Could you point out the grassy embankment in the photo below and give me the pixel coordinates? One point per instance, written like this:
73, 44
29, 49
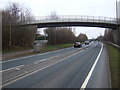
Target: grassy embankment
43, 49
55, 47
114, 56
16, 49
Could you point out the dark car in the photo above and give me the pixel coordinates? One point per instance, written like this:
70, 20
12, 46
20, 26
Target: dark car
77, 44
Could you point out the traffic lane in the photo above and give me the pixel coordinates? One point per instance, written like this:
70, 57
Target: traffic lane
69, 73
28, 60
23, 61
17, 72
101, 74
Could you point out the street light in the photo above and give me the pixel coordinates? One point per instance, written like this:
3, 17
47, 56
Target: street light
117, 10
10, 34
117, 17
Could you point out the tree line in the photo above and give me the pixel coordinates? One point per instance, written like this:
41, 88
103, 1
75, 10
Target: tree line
24, 36
62, 35
58, 35
13, 16
110, 36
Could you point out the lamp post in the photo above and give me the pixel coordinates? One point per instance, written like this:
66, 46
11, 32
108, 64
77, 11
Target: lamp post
117, 10
10, 35
117, 17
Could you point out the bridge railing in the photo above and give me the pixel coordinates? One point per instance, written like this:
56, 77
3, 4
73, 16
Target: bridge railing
71, 18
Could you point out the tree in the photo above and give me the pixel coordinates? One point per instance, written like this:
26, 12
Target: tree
82, 37
108, 36
60, 35
53, 16
12, 36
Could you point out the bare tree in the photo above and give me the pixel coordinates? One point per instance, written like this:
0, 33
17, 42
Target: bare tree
108, 36
53, 16
82, 37
60, 35
16, 36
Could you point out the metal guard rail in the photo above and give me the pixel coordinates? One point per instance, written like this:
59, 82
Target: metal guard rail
115, 45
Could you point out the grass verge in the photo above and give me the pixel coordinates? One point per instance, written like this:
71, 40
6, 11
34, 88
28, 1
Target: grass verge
54, 47
46, 48
16, 49
114, 55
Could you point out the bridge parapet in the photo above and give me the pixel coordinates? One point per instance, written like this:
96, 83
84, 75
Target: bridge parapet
71, 18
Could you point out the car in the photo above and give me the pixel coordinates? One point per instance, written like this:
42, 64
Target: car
77, 44
86, 42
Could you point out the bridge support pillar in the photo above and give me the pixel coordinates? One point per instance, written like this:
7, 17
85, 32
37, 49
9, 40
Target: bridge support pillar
116, 35
34, 30
0, 33
31, 30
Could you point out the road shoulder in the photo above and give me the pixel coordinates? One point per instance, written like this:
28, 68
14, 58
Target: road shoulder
101, 74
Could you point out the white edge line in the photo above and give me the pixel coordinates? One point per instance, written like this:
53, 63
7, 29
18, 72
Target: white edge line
91, 71
33, 55
41, 69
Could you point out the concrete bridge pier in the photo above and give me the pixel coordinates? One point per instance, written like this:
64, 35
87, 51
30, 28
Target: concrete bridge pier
31, 30
34, 30
116, 35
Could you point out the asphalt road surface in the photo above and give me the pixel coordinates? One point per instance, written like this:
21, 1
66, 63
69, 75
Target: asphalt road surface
85, 67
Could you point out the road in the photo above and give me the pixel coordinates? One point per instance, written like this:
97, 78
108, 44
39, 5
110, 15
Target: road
85, 67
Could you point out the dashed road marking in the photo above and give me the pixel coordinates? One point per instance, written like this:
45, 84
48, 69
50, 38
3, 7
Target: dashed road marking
40, 69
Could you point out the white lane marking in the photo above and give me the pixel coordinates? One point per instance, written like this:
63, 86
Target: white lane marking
40, 69
16, 76
11, 68
91, 71
33, 55
17, 69
36, 62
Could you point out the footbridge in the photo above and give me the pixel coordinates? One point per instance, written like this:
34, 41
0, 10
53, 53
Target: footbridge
63, 20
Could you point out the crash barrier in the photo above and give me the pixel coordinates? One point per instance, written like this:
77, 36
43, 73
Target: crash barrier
114, 45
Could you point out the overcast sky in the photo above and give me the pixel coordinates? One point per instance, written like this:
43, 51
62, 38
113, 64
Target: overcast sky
105, 8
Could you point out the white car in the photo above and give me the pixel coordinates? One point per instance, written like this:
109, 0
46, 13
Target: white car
86, 42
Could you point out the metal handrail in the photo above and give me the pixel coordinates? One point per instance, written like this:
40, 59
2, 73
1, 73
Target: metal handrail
76, 18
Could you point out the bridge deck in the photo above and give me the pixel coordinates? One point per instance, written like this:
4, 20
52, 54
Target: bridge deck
58, 21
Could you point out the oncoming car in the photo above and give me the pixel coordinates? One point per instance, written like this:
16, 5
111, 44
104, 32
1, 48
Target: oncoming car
86, 42
77, 44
